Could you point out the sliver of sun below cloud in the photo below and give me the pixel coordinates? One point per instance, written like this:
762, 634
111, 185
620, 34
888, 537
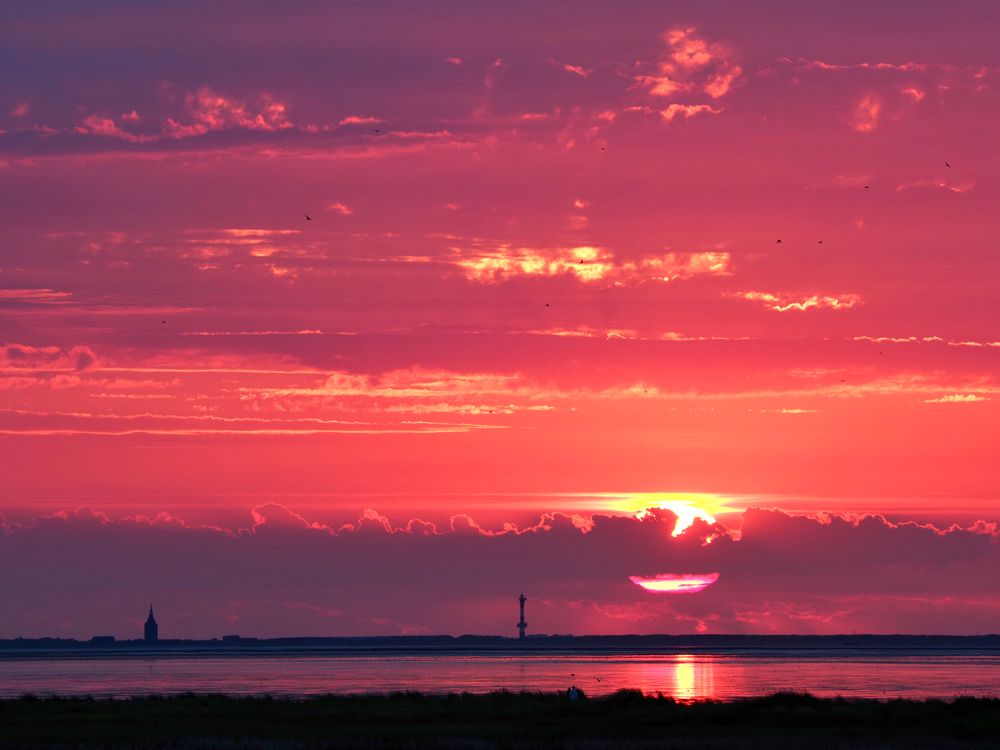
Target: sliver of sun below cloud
671, 583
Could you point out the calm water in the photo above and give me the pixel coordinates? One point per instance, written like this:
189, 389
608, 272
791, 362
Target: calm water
695, 676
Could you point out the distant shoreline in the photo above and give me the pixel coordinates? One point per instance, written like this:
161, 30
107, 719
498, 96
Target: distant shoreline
531, 643
557, 644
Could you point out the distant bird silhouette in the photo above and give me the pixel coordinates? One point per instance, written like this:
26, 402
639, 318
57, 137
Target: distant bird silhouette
947, 165
308, 217
163, 322
867, 186
547, 304
598, 679
819, 242
777, 242
843, 380
375, 129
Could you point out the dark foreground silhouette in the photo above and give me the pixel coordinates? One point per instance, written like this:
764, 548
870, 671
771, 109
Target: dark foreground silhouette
626, 719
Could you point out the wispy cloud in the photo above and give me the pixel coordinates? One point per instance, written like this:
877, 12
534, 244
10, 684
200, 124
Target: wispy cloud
800, 303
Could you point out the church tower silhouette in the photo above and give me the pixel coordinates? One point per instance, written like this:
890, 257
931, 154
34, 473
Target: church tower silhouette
152, 630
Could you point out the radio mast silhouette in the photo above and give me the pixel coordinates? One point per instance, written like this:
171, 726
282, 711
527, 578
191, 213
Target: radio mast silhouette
522, 625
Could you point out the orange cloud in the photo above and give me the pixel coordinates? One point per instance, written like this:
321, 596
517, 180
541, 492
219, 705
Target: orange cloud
590, 264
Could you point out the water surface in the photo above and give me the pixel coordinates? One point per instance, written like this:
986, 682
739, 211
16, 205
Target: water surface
684, 676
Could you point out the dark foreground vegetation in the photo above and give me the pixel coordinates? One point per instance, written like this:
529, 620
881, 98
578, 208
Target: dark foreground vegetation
626, 719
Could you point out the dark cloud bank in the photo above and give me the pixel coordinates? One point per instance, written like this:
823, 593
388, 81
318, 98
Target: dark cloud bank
80, 572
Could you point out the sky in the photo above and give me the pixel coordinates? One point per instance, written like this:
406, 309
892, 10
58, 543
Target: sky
362, 318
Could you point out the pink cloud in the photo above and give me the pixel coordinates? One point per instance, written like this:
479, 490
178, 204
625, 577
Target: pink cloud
108, 128
865, 116
209, 110
340, 208
692, 64
494, 72
687, 110
359, 120
46, 358
954, 186
36, 296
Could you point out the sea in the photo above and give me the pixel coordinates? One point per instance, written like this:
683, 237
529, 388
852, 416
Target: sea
685, 669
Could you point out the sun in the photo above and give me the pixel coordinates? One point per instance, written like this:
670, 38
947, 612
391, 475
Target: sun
688, 507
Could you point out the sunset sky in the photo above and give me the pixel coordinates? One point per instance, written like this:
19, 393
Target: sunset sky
734, 262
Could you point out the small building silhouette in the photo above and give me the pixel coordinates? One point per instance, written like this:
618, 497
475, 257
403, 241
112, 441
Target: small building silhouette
152, 630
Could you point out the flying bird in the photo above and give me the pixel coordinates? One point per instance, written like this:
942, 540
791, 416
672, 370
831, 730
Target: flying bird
947, 165
777, 242
819, 242
547, 304
308, 217
867, 186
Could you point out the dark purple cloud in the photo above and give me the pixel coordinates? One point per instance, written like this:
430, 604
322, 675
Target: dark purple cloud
80, 572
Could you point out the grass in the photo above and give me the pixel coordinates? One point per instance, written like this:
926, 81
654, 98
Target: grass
626, 719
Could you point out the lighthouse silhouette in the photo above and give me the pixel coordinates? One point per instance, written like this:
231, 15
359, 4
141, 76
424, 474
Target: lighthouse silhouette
522, 625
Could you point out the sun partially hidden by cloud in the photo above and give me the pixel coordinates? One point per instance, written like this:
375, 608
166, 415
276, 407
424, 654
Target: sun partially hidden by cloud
687, 507
672, 583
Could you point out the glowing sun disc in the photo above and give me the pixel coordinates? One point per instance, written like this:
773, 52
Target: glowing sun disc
671, 583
